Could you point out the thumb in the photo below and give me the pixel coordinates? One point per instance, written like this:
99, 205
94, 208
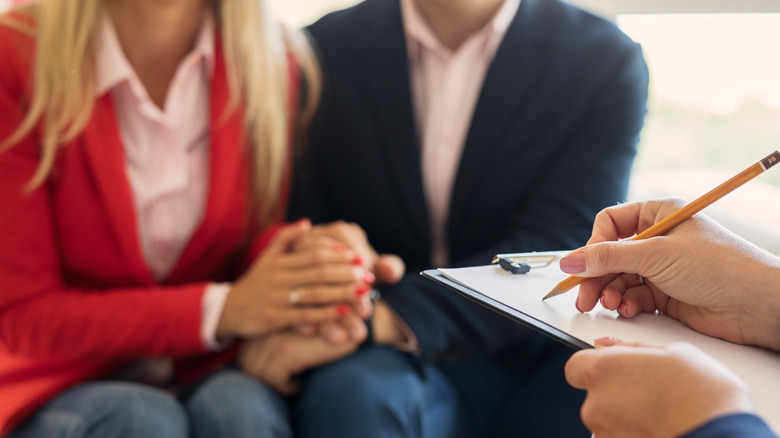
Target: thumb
287, 235
604, 258
578, 370
389, 268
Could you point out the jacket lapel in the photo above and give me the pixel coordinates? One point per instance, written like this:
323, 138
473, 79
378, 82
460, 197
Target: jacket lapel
105, 154
518, 64
384, 61
228, 172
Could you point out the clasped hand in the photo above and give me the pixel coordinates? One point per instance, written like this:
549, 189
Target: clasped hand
304, 301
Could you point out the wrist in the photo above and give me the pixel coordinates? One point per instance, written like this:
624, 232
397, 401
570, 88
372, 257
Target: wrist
760, 324
384, 327
226, 324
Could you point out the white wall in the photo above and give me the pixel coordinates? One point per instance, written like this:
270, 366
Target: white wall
611, 8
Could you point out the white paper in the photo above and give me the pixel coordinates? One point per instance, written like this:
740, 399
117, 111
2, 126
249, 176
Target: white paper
759, 368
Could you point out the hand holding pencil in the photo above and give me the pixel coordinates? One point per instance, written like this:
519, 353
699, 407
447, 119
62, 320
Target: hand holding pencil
698, 273
663, 226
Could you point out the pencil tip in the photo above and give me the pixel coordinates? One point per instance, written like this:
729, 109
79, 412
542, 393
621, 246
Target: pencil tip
552, 293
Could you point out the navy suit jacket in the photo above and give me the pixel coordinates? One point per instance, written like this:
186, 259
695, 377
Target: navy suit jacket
734, 426
551, 143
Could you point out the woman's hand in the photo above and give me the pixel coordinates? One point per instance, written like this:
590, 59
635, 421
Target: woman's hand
643, 391
388, 268
698, 273
284, 288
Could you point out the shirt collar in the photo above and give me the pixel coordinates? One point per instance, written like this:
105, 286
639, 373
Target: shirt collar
113, 67
419, 34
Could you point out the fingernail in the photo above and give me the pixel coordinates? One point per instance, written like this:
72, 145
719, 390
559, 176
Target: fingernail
577, 305
573, 263
357, 260
342, 310
606, 341
622, 309
369, 278
339, 248
362, 290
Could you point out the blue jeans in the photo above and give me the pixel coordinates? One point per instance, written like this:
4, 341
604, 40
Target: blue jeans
226, 404
519, 391
376, 392
231, 404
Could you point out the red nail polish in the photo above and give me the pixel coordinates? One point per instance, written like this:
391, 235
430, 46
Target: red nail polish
369, 278
357, 260
362, 290
342, 310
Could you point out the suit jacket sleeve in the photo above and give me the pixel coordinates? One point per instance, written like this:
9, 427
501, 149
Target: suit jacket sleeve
733, 426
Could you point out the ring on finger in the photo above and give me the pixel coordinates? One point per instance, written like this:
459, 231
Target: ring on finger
295, 296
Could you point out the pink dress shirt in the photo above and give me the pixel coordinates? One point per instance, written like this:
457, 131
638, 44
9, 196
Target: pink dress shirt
445, 88
167, 154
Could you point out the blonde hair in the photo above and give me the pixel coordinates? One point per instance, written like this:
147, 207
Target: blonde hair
255, 50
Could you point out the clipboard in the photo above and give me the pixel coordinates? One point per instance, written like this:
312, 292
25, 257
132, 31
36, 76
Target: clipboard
519, 297
507, 311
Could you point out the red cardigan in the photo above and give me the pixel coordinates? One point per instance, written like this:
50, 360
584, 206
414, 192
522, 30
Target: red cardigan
77, 300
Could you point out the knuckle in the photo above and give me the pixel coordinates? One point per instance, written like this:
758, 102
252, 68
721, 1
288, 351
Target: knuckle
604, 254
309, 316
312, 294
358, 273
340, 226
318, 257
323, 272
604, 214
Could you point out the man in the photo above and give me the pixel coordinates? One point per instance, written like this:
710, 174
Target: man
451, 131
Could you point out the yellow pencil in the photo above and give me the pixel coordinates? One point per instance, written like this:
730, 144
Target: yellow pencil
685, 212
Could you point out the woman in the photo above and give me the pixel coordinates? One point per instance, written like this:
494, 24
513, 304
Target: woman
142, 169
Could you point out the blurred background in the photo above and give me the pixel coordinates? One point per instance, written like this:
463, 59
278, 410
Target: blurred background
714, 104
